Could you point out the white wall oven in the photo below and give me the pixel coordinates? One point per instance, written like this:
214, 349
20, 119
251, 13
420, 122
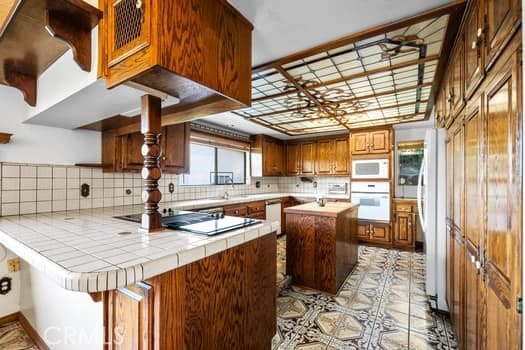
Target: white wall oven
373, 199
370, 169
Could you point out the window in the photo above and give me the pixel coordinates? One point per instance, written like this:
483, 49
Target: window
215, 166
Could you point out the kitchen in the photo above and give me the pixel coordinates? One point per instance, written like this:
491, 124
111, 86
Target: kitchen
143, 172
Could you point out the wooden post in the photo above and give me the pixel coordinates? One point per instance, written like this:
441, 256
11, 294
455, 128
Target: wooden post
151, 129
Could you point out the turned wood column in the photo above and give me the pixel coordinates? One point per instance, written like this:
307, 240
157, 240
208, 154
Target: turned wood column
151, 129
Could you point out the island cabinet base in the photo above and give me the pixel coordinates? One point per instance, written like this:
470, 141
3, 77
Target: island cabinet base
225, 301
321, 250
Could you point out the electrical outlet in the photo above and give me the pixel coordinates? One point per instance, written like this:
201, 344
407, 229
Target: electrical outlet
13, 265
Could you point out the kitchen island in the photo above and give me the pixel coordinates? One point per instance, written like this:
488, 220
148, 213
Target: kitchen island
321, 244
171, 290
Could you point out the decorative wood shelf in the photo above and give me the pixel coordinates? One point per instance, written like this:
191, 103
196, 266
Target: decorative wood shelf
5, 137
28, 39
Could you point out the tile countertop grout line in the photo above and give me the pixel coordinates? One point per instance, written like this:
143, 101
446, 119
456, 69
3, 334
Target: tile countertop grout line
120, 276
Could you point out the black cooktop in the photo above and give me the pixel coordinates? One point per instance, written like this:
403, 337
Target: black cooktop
202, 223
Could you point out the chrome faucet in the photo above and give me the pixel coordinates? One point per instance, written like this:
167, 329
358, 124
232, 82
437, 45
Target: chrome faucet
226, 195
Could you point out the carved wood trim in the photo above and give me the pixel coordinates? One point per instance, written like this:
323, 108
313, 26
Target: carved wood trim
151, 173
62, 26
5, 137
97, 296
26, 83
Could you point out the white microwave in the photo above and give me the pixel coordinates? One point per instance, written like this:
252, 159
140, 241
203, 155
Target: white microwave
370, 169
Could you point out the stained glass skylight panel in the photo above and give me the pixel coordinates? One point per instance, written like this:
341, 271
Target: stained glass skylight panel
385, 79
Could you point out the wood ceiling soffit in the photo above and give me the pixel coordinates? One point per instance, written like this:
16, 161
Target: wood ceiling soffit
385, 74
28, 44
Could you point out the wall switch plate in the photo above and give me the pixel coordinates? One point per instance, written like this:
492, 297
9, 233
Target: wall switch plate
13, 265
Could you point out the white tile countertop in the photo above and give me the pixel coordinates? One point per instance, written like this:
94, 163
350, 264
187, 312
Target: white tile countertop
90, 251
85, 251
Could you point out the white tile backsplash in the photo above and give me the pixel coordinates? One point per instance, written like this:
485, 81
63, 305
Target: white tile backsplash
31, 188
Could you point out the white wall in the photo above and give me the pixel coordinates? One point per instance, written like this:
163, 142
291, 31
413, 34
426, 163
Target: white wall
9, 303
65, 320
408, 132
40, 144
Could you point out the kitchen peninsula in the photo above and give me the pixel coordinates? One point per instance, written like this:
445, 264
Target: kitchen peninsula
157, 291
321, 244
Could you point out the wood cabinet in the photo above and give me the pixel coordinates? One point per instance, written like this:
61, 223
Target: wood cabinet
370, 142
267, 156
122, 153
456, 78
484, 212
131, 312
210, 70
332, 156
286, 202
254, 210
405, 223
272, 157
321, 246
502, 262
224, 301
374, 232
502, 20
474, 54
293, 158
309, 157
301, 158
175, 148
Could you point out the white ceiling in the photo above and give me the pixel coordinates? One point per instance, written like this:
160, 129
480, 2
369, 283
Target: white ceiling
283, 27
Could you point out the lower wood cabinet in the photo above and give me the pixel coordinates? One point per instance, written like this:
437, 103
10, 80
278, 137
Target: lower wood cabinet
224, 301
405, 223
130, 317
254, 210
374, 232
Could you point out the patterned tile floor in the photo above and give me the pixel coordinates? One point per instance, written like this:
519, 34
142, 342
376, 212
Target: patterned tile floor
382, 305
14, 337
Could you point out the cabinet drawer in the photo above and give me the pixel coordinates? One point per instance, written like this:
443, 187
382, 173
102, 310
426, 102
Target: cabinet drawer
404, 207
256, 207
236, 211
260, 216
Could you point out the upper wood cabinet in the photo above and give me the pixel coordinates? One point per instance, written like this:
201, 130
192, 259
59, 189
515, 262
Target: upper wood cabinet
122, 153
300, 158
175, 143
308, 157
502, 18
332, 156
370, 142
293, 159
267, 156
456, 79
179, 48
474, 56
